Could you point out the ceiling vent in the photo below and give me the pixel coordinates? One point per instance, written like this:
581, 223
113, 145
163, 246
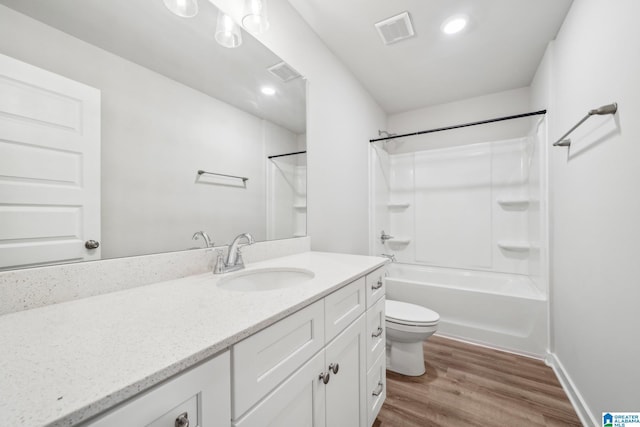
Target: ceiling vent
396, 28
284, 72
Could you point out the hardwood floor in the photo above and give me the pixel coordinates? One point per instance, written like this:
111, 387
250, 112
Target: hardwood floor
468, 385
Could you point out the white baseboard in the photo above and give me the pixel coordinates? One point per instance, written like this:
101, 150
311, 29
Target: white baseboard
587, 418
491, 346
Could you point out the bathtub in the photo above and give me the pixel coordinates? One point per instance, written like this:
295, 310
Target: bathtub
504, 311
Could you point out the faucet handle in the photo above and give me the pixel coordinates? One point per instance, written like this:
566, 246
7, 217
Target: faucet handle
239, 260
218, 267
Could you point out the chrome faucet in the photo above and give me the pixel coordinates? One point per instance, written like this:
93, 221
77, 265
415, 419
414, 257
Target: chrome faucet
207, 241
234, 256
391, 257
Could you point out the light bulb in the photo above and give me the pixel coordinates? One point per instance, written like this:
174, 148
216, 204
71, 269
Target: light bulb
454, 25
255, 16
227, 32
268, 90
183, 8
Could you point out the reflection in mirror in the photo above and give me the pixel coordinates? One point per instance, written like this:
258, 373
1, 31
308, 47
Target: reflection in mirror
108, 110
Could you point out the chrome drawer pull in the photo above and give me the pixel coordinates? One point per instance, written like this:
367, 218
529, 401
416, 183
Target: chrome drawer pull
378, 389
334, 367
377, 333
182, 420
378, 285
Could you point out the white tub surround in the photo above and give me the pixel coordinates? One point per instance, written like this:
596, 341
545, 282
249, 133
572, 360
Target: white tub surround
505, 311
64, 363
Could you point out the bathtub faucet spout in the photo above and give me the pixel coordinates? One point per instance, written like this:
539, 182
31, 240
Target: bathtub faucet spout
391, 257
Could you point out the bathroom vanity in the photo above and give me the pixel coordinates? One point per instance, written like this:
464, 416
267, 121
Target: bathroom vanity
191, 352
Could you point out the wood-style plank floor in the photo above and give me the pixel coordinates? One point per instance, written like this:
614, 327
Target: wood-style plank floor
468, 385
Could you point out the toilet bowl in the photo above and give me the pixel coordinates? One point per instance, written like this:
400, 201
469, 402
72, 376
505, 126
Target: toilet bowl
408, 326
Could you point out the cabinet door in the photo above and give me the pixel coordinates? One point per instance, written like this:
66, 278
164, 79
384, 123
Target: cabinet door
343, 307
346, 398
376, 332
265, 359
376, 287
376, 388
202, 394
299, 401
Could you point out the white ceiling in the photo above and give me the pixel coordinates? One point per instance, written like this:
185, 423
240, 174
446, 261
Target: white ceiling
147, 33
500, 49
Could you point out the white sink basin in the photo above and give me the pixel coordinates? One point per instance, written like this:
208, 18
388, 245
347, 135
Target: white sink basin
265, 279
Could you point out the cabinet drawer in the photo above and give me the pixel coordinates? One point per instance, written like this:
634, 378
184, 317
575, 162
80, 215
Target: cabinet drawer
375, 286
376, 332
343, 307
299, 401
203, 393
376, 387
267, 358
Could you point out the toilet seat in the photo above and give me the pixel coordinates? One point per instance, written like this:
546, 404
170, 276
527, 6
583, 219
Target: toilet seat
403, 313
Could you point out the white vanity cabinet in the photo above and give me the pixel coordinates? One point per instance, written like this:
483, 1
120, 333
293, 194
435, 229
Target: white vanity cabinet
197, 397
276, 382
322, 366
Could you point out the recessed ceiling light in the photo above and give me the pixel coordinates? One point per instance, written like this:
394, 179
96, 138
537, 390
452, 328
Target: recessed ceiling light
454, 24
268, 90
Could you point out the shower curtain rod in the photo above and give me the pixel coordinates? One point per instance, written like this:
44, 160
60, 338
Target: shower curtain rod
482, 122
287, 154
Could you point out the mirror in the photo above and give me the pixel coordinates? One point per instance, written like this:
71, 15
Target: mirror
126, 125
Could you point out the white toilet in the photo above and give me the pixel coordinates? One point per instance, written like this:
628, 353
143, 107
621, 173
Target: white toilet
408, 325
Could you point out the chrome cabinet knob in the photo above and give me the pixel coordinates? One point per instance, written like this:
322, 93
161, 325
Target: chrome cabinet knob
378, 389
91, 244
182, 420
334, 367
378, 285
377, 333
325, 377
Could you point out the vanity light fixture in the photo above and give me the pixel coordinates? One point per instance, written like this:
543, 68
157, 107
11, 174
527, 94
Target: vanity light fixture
183, 8
227, 32
255, 16
268, 90
454, 24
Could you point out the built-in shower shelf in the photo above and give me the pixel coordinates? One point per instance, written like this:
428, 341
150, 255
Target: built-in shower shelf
300, 206
514, 246
399, 205
514, 202
299, 234
399, 241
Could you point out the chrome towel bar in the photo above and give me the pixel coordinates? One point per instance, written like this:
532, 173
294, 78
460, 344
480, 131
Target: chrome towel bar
563, 141
243, 178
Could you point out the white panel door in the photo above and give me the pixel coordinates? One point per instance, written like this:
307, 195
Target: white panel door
49, 167
346, 361
298, 402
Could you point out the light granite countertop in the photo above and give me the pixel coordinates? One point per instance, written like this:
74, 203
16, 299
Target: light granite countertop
64, 363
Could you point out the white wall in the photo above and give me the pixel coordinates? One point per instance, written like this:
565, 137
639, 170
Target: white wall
484, 107
595, 208
156, 133
342, 117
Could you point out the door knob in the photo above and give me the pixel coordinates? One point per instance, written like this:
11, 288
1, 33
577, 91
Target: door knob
334, 367
91, 244
182, 420
324, 376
